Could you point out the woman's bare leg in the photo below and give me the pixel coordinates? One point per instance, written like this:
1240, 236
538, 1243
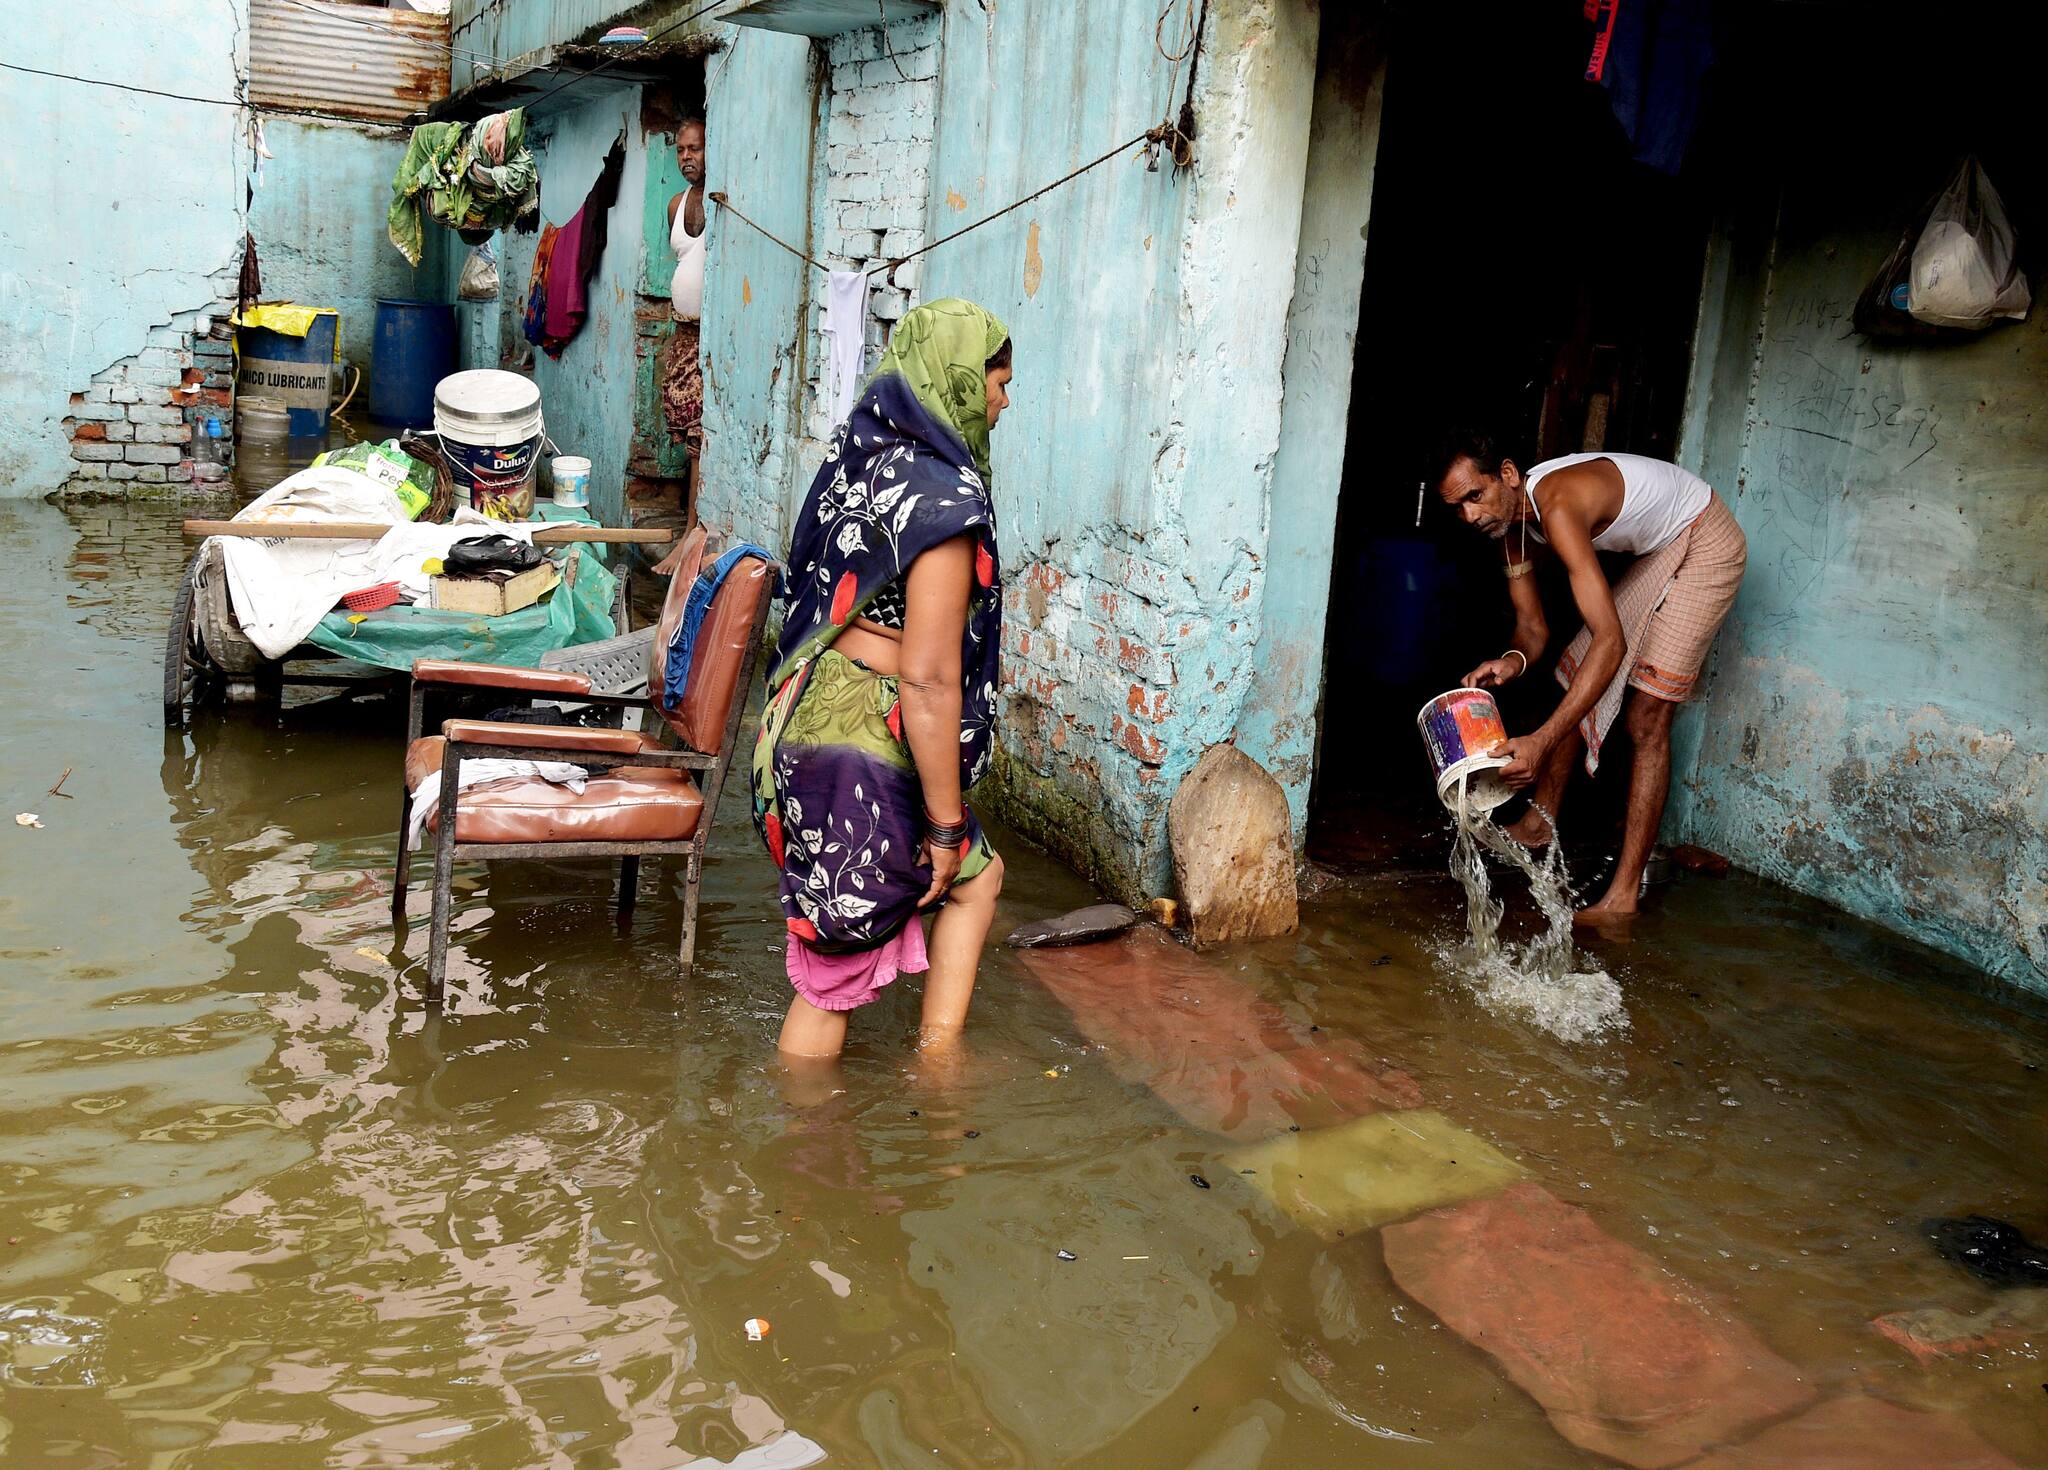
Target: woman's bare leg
808, 1031
958, 935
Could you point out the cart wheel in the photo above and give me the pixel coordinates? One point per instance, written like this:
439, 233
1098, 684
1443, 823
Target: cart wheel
186, 666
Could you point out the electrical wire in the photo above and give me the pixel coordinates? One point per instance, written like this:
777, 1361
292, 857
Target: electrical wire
882, 32
264, 107
1150, 135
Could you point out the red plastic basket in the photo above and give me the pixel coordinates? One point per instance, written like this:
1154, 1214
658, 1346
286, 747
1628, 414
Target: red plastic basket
370, 599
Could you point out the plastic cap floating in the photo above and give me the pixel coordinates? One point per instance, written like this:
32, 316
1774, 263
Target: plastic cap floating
757, 1328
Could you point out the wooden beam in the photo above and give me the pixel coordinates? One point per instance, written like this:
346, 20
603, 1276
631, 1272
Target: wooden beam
556, 534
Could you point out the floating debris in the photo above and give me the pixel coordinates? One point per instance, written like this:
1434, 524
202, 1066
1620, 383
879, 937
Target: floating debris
1067, 1256
757, 1328
1198, 1181
27, 819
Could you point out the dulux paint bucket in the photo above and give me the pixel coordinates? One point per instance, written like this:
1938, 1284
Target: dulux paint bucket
490, 427
572, 480
1458, 728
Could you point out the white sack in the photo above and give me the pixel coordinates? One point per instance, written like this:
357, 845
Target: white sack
1965, 266
282, 588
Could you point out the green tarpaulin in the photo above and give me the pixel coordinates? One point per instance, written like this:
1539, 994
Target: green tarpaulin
575, 612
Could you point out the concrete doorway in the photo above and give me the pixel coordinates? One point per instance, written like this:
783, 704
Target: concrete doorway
1522, 270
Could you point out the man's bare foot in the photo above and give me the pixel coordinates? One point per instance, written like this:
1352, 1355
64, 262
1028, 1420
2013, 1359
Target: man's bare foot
1531, 829
1613, 907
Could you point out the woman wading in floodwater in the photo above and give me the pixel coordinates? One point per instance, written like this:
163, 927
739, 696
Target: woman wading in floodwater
881, 701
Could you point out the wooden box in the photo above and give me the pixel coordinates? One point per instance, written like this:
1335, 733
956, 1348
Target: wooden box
494, 596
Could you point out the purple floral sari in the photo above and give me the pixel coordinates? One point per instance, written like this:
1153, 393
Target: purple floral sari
836, 794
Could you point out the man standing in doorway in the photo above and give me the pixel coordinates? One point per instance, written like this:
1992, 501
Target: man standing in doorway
682, 376
1645, 638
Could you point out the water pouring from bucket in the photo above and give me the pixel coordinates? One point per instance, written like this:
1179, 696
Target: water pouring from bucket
1542, 980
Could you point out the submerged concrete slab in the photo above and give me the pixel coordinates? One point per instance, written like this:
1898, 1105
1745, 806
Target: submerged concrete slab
1375, 1170
1624, 1357
1213, 1049
1863, 1434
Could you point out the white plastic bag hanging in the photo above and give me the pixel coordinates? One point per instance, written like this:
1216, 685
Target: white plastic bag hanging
479, 278
1965, 267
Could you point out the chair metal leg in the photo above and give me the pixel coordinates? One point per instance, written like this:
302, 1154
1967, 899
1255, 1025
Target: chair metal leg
687, 956
629, 884
404, 863
444, 884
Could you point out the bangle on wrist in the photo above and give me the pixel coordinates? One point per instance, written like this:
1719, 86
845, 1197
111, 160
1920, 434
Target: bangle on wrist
1522, 656
945, 834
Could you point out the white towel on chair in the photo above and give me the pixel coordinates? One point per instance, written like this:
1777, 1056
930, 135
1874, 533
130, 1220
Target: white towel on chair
475, 773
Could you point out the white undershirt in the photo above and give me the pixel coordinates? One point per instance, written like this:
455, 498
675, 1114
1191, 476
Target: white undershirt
1658, 500
686, 286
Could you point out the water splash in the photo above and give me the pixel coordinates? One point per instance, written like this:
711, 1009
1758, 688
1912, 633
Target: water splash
1545, 981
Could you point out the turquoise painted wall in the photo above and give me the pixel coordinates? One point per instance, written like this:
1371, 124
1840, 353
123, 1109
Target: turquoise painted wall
320, 227
126, 209
1149, 312
1278, 727
140, 213
761, 98
1872, 731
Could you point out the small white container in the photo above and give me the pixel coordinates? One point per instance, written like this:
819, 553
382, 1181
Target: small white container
572, 480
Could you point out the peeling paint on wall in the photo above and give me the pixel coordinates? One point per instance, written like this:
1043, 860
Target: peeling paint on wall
1873, 729
1034, 263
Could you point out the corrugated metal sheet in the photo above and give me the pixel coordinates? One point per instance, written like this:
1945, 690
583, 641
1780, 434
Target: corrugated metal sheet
354, 60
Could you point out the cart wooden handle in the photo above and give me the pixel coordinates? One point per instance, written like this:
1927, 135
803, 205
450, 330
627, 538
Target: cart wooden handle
557, 534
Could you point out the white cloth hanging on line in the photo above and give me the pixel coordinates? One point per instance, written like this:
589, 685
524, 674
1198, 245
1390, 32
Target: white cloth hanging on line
846, 322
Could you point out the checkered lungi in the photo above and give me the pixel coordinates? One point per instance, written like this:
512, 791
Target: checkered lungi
1671, 603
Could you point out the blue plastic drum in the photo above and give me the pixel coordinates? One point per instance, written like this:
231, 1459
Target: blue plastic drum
414, 349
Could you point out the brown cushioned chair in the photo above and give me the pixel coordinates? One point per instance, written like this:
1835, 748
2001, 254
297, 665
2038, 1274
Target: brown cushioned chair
649, 793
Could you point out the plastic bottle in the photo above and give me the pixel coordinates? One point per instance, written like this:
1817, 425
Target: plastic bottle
209, 452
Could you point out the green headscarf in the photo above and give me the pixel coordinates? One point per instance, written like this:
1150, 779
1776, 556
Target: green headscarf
942, 350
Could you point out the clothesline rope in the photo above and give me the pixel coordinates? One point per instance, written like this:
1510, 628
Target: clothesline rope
1150, 135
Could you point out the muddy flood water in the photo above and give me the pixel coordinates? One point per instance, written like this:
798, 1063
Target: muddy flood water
261, 1208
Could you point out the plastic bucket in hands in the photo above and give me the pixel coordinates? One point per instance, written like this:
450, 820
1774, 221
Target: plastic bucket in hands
1458, 728
490, 427
572, 480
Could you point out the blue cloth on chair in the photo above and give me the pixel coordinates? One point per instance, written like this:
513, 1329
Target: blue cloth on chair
683, 645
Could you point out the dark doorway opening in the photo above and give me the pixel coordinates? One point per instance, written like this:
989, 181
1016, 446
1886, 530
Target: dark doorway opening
1521, 270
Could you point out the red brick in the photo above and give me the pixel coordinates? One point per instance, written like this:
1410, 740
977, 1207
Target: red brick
1863, 1434
1626, 1359
1934, 1333
89, 431
1213, 1049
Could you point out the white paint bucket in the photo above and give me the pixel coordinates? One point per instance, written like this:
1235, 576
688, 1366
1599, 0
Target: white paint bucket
490, 427
1458, 728
572, 480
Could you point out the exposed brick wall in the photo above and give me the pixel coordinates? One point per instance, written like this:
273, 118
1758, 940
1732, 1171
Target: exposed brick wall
877, 181
1106, 655
134, 424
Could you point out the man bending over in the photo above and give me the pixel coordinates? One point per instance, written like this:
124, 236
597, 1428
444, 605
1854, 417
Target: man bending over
1644, 639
